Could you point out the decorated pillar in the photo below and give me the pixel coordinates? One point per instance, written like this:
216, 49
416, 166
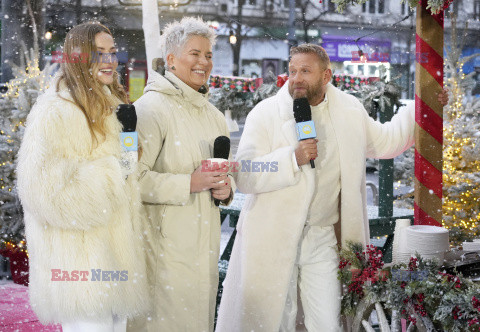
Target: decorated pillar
428, 117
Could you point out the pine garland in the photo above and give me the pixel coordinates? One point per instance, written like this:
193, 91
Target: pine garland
417, 290
227, 98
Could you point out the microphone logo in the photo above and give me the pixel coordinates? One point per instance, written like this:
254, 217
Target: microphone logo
128, 141
307, 129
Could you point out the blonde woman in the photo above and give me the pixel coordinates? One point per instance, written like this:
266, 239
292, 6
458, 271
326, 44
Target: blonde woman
81, 208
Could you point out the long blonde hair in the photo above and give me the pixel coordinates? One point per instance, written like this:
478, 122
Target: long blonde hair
86, 91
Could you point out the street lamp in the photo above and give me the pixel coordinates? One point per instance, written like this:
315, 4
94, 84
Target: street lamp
233, 38
48, 35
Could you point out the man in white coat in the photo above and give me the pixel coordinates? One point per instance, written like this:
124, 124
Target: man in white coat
292, 219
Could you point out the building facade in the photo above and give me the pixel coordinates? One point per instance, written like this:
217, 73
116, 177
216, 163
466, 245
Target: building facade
359, 41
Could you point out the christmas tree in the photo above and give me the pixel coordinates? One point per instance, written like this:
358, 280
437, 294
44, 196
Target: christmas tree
15, 104
461, 164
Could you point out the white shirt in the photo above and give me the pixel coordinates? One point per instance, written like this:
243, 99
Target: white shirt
324, 209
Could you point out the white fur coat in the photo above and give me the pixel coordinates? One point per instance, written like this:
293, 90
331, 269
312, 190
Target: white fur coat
274, 213
80, 215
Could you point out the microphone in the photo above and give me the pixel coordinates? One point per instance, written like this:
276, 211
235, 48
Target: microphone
221, 147
221, 150
303, 117
127, 116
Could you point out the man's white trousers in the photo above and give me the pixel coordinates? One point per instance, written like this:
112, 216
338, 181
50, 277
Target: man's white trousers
315, 275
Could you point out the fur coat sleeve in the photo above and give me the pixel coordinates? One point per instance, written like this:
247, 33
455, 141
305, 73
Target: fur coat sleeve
256, 147
389, 139
58, 177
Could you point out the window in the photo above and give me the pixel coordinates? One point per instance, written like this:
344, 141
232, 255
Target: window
381, 6
243, 3
328, 5
374, 7
406, 10
476, 10
286, 3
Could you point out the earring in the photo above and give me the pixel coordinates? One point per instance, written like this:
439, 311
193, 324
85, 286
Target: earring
173, 67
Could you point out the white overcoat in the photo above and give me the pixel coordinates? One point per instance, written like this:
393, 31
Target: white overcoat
80, 215
274, 214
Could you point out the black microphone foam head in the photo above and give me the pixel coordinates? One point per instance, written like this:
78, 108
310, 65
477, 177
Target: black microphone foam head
127, 116
301, 110
221, 147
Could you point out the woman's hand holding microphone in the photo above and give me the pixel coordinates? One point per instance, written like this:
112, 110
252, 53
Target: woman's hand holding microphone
217, 182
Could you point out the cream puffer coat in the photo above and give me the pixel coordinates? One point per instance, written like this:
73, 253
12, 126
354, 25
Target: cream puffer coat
177, 128
81, 217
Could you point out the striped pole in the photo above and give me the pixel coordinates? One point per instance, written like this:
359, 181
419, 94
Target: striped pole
428, 117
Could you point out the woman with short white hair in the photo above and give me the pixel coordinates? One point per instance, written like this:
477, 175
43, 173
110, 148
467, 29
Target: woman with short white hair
177, 128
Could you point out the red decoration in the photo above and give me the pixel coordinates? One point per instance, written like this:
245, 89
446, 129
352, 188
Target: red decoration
242, 84
18, 264
281, 80
428, 134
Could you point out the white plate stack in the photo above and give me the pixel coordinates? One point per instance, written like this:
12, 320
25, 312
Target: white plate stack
472, 246
429, 241
400, 252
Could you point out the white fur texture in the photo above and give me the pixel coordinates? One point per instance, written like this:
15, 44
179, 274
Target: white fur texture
274, 215
80, 214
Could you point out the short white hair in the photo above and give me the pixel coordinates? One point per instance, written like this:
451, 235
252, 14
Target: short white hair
176, 34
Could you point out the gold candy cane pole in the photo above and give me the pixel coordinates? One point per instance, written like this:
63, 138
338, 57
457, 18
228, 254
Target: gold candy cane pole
428, 117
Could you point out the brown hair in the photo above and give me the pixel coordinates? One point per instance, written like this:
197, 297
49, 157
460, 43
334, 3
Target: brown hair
314, 49
86, 91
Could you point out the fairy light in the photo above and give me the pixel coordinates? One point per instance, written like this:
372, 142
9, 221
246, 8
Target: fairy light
30, 77
461, 193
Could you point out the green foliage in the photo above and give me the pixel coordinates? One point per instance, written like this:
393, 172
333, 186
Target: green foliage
264, 91
226, 98
416, 290
379, 95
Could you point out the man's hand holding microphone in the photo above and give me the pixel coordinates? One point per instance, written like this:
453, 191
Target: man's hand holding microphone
306, 151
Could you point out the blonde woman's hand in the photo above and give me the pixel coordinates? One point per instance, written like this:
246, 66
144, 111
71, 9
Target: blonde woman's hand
202, 180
